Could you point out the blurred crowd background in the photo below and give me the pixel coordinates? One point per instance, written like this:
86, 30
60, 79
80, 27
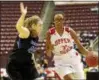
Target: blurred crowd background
82, 17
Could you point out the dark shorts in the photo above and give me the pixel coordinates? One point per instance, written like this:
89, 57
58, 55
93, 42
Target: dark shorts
21, 66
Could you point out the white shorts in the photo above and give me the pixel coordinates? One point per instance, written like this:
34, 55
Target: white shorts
69, 63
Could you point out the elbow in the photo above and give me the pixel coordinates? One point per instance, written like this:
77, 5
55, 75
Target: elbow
25, 35
18, 27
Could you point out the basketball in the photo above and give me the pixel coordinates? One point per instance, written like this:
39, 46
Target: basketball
92, 59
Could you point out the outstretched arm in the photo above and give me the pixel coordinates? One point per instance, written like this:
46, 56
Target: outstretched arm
79, 45
23, 31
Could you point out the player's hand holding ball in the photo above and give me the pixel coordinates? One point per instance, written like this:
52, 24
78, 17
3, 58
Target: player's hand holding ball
92, 59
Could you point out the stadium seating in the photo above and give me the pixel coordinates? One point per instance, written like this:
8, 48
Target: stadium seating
78, 16
10, 12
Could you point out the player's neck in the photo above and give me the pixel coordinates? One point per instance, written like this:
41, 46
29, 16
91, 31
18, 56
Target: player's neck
59, 30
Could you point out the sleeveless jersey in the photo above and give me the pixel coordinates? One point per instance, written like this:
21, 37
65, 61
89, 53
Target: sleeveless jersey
30, 44
62, 44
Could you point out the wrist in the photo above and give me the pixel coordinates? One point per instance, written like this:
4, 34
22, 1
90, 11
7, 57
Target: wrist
23, 14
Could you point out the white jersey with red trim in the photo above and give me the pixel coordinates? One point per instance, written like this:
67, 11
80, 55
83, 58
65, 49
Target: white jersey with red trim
62, 43
67, 59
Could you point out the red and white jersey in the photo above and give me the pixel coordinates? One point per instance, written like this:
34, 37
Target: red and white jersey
62, 43
67, 59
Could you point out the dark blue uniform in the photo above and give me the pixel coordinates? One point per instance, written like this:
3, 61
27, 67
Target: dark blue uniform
21, 65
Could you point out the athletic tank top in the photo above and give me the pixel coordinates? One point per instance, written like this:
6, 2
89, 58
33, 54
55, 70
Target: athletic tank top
30, 44
62, 44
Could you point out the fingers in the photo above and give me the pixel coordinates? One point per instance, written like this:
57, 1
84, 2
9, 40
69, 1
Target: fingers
26, 8
21, 6
45, 61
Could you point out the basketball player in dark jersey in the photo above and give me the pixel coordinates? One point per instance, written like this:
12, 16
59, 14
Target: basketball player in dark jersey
21, 65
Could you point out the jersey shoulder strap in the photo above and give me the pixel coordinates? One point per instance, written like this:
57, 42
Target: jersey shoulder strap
67, 29
51, 30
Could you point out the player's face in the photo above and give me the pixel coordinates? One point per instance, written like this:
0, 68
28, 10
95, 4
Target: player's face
36, 29
58, 20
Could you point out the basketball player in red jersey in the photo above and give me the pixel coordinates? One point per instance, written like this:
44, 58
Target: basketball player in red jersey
60, 41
